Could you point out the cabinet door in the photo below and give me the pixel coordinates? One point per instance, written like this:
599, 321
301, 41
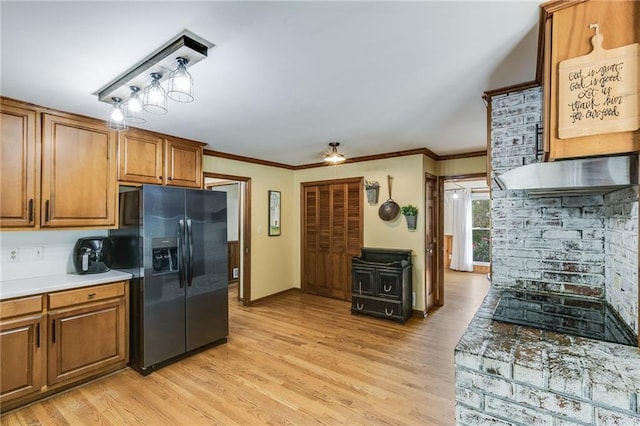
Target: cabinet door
390, 283
78, 173
331, 235
86, 339
183, 163
19, 167
21, 357
363, 281
140, 157
570, 37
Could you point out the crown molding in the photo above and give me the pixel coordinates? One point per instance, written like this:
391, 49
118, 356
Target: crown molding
417, 151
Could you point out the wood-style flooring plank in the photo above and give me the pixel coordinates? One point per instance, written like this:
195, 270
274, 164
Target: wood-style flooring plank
295, 359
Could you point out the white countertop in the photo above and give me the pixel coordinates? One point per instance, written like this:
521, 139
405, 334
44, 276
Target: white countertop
28, 286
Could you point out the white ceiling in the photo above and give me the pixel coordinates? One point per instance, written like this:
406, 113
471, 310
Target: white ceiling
286, 78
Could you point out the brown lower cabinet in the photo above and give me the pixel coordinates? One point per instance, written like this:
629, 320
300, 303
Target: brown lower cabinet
22, 354
74, 336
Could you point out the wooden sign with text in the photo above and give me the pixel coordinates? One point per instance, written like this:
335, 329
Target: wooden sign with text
598, 92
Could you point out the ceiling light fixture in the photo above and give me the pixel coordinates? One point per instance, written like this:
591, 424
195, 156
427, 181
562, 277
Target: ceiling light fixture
181, 83
154, 97
132, 108
334, 156
166, 66
116, 120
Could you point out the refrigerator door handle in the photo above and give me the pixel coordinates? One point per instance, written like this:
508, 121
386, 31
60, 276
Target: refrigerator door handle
190, 238
182, 263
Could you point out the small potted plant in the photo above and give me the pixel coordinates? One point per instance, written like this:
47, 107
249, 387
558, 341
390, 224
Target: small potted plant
372, 187
410, 212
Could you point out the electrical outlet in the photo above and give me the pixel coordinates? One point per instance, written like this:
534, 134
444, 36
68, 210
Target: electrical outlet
235, 273
14, 255
414, 298
38, 253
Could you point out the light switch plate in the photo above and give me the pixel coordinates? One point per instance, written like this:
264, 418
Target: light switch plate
38, 253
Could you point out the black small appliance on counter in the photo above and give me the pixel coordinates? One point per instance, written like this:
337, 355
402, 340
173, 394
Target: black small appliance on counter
91, 255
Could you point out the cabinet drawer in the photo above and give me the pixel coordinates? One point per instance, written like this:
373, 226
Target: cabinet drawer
84, 295
22, 306
377, 307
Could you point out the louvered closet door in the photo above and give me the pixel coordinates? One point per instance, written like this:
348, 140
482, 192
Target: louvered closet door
332, 235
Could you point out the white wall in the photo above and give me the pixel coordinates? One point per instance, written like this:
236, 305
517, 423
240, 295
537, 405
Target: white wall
57, 253
233, 209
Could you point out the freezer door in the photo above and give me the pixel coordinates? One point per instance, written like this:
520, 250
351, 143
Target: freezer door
163, 291
207, 280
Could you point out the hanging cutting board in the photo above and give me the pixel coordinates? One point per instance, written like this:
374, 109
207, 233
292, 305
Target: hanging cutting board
598, 92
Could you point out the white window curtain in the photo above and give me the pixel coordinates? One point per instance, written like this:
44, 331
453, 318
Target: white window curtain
462, 244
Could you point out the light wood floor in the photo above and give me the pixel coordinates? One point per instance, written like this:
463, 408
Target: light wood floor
294, 359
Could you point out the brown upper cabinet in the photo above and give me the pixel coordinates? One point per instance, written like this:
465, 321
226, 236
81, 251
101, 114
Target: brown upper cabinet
62, 170
147, 157
56, 170
19, 167
183, 162
140, 157
565, 34
78, 173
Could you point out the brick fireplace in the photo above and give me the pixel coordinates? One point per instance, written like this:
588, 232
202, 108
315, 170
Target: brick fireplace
585, 246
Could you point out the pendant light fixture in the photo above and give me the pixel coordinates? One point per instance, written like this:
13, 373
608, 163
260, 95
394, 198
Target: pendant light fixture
180, 87
132, 108
334, 156
116, 120
166, 68
154, 98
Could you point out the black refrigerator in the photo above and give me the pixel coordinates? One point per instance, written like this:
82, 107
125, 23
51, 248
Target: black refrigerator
174, 242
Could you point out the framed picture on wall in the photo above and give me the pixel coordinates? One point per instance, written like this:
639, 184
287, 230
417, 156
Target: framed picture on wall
274, 213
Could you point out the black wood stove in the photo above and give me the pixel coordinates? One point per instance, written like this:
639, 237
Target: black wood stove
381, 284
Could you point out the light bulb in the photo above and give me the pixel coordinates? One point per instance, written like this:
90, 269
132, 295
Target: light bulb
134, 104
182, 82
116, 114
155, 94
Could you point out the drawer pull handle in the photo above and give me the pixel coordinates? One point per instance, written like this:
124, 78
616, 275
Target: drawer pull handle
37, 335
386, 311
30, 210
387, 290
91, 295
53, 331
359, 306
360, 286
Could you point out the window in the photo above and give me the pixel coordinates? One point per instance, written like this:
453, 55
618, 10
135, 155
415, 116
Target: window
481, 228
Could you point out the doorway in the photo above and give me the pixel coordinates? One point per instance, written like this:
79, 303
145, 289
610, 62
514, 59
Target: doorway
466, 224
432, 285
238, 188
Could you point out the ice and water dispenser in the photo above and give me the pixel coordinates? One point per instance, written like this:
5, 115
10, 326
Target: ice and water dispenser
165, 254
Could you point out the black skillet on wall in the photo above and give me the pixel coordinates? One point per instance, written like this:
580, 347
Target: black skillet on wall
389, 209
